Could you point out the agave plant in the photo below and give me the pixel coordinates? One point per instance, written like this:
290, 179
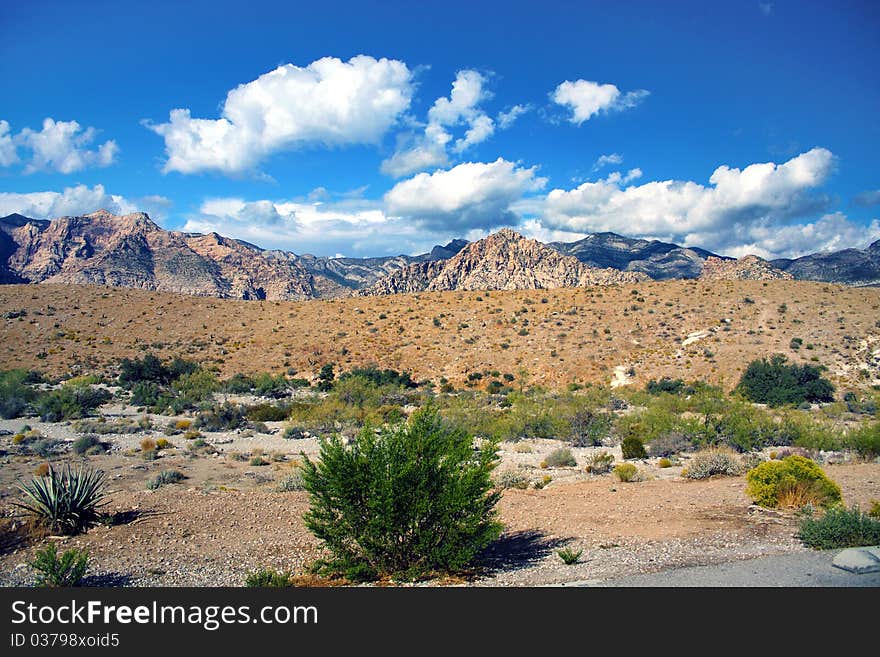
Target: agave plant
67, 501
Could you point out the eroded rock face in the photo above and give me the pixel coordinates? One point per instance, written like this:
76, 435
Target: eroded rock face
504, 260
747, 268
849, 266
132, 251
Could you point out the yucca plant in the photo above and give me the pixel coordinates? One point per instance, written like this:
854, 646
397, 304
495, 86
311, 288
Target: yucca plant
66, 501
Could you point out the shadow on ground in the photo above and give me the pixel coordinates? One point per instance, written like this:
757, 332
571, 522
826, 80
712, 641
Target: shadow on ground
107, 579
517, 550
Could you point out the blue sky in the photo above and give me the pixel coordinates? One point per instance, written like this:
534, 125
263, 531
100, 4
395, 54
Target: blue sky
373, 128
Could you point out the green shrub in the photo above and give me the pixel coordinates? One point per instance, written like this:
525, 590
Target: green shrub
89, 444
664, 463
569, 556
865, 440
713, 461
626, 472
150, 368
775, 383
794, 479
560, 458
267, 413
70, 402
408, 500
165, 477
600, 463
633, 448
67, 502
221, 417
667, 385
839, 527
15, 395
267, 577
68, 570
379, 377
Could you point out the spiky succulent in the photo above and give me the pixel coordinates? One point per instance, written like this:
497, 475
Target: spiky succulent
67, 501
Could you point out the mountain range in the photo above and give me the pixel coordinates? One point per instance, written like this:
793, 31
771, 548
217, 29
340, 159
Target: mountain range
132, 251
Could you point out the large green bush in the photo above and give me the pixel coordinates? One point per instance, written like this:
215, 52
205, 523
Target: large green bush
795, 477
774, 382
407, 501
71, 401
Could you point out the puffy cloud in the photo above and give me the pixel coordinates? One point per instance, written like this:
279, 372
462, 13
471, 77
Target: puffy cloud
61, 146
8, 155
328, 102
737, 204
868, 199
79, 200
604, 160
508, 118
418, 157
832, 232
351, 227
585, 99
472, 195
460, 110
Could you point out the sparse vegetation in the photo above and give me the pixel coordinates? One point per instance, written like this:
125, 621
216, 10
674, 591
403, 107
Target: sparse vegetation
560, 458
267, 578
165, 477
600, 463
714, 461
569, 556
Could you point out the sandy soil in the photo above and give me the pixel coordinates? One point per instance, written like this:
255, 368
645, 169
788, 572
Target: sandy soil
549, 337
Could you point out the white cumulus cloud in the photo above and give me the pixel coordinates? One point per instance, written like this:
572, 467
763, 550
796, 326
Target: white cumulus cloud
585, 99
739, 206
472, 195
460, 111
328, 102
79, 200
61, 146
8, 154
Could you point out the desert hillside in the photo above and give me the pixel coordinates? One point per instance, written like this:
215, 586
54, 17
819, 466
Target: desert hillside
612, 334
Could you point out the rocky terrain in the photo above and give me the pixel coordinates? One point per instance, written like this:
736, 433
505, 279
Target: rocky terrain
504, 260
747, 268
850, 266
692, 329
132, 251
659, 260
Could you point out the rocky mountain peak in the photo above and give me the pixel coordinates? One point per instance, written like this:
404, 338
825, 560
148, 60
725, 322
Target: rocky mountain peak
747, 268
